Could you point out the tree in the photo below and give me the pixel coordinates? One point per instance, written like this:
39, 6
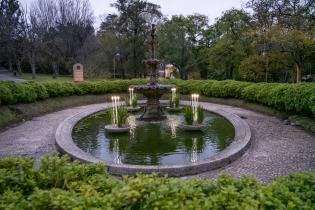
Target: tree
113, 41
225, 58
181, 42
133, 20
295, 14
300, 46
282, 27
62, 27
232, 45
11, 32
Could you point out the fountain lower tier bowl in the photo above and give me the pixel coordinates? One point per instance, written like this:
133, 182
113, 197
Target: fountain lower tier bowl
153, 92
116, 129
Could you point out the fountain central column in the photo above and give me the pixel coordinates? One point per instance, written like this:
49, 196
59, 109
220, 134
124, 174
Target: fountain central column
153, 91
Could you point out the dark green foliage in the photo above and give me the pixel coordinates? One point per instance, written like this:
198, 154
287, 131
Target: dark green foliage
12, 93
122, 116
295, 98
6, 96
188, 114
56, 89
174, 103
200, 115
22, 92
60, 184
135, 101
40, 90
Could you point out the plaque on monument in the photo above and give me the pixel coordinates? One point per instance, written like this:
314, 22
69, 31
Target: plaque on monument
78, 72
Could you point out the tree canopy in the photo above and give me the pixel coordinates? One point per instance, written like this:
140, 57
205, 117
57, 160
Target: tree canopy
268, 40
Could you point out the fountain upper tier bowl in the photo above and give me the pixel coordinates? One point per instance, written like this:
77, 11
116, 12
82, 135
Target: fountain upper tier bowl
153, 92
153, 88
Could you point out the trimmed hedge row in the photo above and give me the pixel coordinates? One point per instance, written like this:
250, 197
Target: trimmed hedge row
12, 93
59, 184
295, 98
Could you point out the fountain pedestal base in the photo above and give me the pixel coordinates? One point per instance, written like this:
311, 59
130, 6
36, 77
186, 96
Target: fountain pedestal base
153, 92
153, 111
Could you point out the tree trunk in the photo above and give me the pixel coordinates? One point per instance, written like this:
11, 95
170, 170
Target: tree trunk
298, 73
134, 61
33, 67
10, 66
122, 70
33, 64
267, 69
55, 69
19, 67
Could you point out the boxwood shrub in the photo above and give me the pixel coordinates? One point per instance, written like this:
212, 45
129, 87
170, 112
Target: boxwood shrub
295, 98
12, 93
60, 184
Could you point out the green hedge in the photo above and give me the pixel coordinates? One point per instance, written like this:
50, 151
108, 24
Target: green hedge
59, 184
295, 98
12, 93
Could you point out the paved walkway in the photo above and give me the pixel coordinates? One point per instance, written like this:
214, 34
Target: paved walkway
277, 149
7, 76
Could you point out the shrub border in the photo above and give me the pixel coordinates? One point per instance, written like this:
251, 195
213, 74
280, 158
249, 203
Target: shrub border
236, 149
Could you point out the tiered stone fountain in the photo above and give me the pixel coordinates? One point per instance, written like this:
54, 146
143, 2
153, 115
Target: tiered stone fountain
153, 91
154, 147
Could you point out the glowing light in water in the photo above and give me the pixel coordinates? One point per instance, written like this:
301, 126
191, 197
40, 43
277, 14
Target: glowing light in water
116, 152
131, 90
173, 125
194, 151
173, 96
133, 124
115, 104
194, 105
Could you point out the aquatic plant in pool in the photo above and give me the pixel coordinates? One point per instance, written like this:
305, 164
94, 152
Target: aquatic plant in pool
174, 100
189, 116
194, 114
132, 100
153, 143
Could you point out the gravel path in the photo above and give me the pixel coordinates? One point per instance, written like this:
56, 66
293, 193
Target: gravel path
277, 149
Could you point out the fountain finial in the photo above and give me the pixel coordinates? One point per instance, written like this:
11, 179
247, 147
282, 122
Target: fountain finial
153, 62
153, 36
153, 91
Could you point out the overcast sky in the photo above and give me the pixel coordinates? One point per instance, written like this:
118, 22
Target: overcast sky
211, 8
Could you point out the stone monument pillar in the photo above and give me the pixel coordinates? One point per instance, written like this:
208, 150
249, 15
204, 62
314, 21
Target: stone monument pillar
78, 72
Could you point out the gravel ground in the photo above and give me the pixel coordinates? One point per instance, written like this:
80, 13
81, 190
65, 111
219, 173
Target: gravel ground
277, 149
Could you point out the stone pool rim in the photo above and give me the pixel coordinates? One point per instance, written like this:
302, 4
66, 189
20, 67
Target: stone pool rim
235, 150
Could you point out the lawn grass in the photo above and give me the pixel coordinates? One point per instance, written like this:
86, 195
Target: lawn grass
60, 78
46, 77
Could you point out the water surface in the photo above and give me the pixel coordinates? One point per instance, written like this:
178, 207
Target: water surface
157, 143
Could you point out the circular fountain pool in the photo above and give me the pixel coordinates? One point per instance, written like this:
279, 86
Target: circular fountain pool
160, 147
153, 143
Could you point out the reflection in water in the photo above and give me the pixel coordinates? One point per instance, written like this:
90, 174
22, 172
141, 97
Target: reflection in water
116, 152
194, 151
173, 125
133, 124
160, 143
